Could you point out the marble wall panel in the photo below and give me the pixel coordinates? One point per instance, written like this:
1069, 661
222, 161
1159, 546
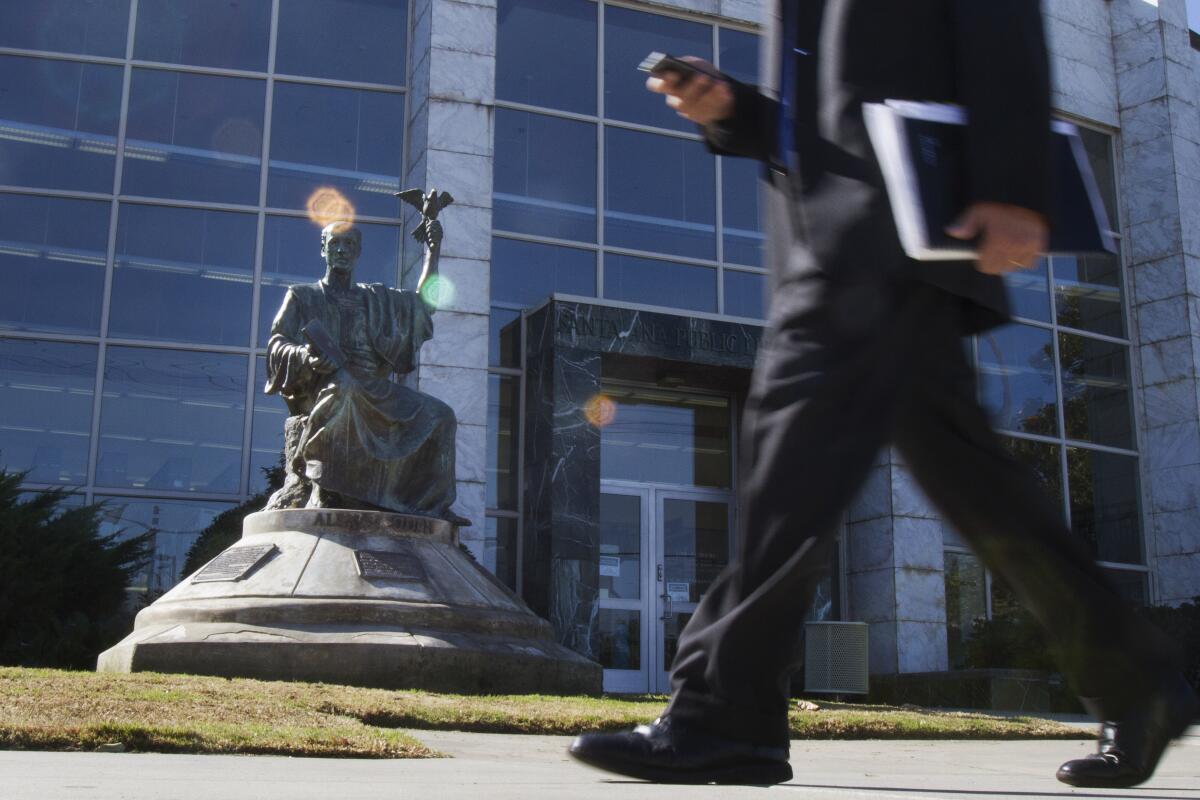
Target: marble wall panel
874, 499
461, 341
1168, 360
920, 596
869, 545
918, 545
464, 390
1177, 577
921, 647
471, 454
460, 127
1175, 445
464, 27
872, 596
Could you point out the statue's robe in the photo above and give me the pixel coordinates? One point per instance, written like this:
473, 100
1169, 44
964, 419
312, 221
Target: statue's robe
366, 437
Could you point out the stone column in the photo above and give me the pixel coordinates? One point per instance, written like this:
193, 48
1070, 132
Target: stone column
894, 569
1160, 148
450, 124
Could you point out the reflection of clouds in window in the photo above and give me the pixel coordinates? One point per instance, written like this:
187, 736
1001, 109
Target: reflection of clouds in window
46, 391
172, 420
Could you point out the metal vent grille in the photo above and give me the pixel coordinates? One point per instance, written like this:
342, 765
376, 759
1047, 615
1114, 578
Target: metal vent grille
835, 657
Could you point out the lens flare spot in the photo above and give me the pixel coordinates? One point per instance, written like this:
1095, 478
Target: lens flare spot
327, 205
600, 411
438, 291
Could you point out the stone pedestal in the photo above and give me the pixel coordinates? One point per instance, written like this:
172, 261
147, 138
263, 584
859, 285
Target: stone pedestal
364, 598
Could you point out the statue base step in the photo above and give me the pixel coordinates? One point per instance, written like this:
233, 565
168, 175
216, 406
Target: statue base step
362, 598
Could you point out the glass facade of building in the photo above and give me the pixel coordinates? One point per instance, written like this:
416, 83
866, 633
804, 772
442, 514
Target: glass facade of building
600, 191
159, 166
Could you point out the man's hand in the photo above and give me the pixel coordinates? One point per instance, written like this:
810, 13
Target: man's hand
317, 362
698, 98
1010, 237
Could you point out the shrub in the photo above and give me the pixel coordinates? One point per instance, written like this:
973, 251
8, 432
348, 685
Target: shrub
63, 585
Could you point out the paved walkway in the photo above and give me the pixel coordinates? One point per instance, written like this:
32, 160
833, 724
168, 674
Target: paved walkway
502, 767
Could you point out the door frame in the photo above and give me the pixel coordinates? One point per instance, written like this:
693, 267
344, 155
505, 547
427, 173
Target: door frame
654, 603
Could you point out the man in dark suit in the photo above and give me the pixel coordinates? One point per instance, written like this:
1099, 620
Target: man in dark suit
864, 349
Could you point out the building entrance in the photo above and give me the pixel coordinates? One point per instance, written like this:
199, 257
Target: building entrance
666, 526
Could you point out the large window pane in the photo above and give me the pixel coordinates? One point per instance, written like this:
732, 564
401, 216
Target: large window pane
739, 55
194, 137
1087, 293
1100, 154
500, 549
350, 40
1095, 376
745, 294
1016, 373
347, 139
504, 338
174, 526
172, 420
966, 601
667, 438
546, 54
266, 435
502, 445
620, 546
91, 27
1029, 292
545, 176
628, 37
46, 391
742, 219
52, 255
292, 254
1044, 459
58, 123
660, 194
1105, 511
183, 274
231, 35
695, 543
659, 283
527, 273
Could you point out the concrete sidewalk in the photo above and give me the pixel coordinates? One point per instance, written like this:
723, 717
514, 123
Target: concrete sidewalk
503, 767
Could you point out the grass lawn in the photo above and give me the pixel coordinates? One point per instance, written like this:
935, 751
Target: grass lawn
58, 710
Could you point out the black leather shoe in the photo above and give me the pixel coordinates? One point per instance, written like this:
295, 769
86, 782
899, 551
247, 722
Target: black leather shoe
1131, 747
670, 752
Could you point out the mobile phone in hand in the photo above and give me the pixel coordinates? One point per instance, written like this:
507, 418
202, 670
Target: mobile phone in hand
659, 64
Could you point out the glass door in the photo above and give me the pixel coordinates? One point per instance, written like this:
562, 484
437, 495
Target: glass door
693, 543
622, 641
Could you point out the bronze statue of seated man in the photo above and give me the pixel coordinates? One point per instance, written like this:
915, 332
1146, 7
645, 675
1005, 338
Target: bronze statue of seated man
356, 438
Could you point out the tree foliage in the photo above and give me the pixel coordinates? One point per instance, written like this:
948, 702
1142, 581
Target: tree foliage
63, 584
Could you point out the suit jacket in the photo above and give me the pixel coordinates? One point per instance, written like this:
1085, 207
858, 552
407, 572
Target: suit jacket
831, 215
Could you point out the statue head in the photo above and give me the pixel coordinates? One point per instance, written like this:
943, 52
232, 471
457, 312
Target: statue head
341, 244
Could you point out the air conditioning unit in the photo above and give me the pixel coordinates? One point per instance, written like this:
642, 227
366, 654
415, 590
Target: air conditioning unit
835, 657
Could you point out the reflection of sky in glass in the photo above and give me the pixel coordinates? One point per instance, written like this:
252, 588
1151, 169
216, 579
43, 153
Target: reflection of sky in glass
527, 273
52, 256
745, 294
545, 176
659, 194
183, 274
266, 435
194, 137
349, 40
172, 420
97, 27
46, 391
660, 283
58, 123
348, 139
229, 35
535, 33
